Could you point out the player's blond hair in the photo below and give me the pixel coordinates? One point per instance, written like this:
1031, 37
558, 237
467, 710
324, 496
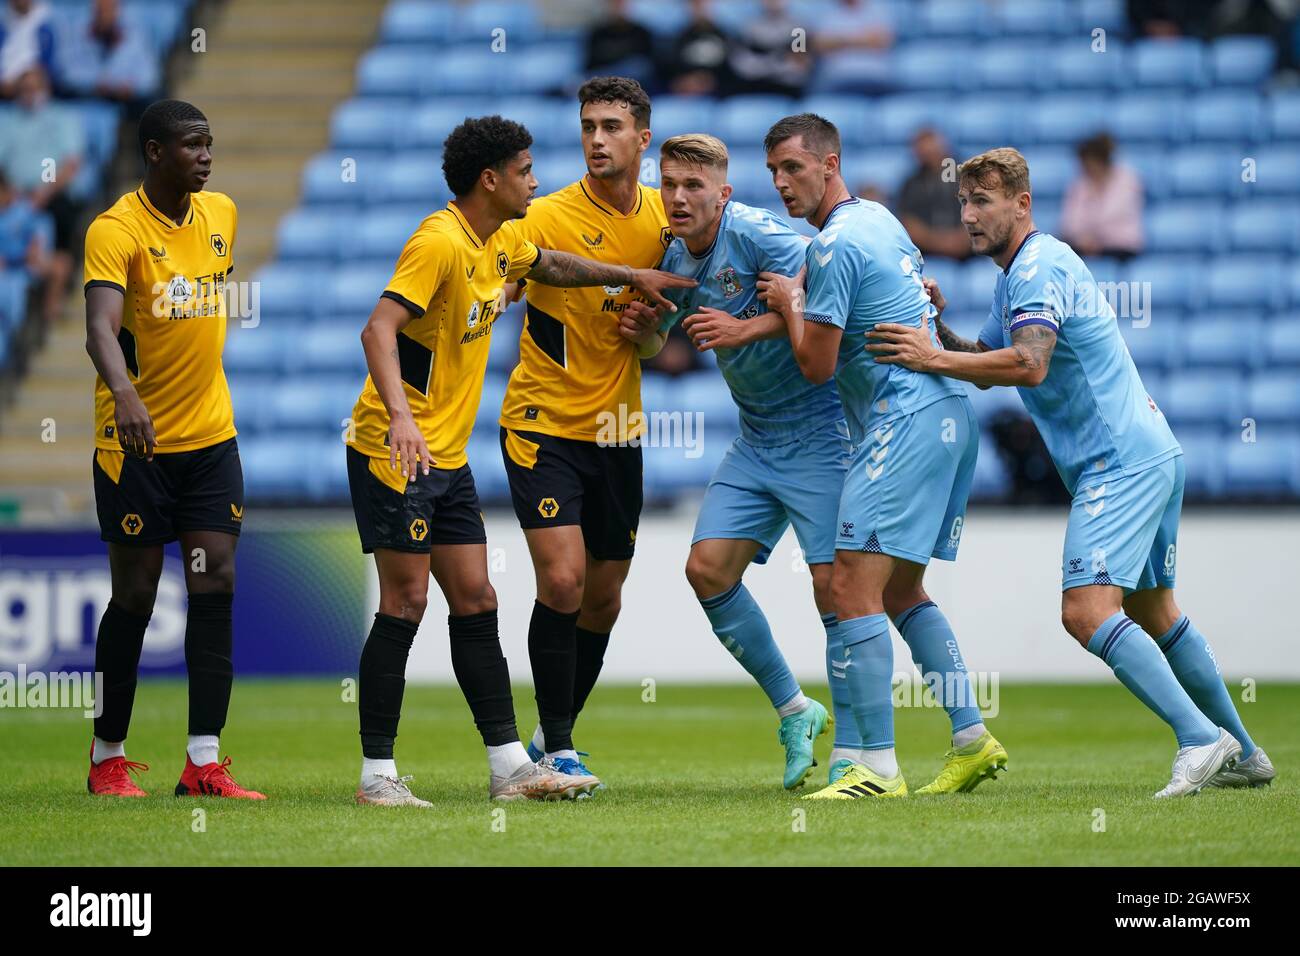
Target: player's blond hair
1005, 163
695, 149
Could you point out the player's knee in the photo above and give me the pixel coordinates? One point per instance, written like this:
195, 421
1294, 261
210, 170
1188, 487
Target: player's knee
473, 600
1080, 620
560, 589
136, 597
706, 577
600, 611
407, 602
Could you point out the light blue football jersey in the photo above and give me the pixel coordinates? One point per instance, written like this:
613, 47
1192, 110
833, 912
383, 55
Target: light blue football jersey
777, 404
1092, 410
862, 269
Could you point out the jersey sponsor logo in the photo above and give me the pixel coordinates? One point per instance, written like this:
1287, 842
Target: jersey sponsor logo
158, 254
954, 533
748, 313
548, 508
730, 283
132, 524
594, 242
419, 529
218, 243
1076, 565
503, 264
179, 290
1171, 557
846, 529
236, 513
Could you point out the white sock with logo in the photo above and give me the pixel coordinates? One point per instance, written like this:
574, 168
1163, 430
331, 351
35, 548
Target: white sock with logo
202, 749
102, 750
505, 759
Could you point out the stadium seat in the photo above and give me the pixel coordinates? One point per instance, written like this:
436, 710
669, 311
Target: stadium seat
1108, 15
1075, 65
1273, 396
540, 69
1186, 226
354, 289
285, 287
1202, 460
1148, 117
310, 233
995, 66
1284, 114
1277, 169
854, 117
948, 19
1282, 341
979, 276
986, 120
1242, 60
884, 168
850, 71
1151, 163
262, 350
745, 120
662, 18
414, 177
1028, 18
381, 233
1051, 169
417, 21
1244, 280
991, 481
494, 393
432, 120
1230, 115
1205, 170
1203, 398
370, 123
551, 122
315, 403
333, 177
897, 118
1268, 467
1156, 346
1169, 63
1065, 118
674, 115
1222, 343
473, 70
1260, 227
330, 348
557, 168
392, 71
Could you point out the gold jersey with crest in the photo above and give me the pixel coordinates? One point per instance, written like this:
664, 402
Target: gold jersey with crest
577, 377
451, 282
173, 281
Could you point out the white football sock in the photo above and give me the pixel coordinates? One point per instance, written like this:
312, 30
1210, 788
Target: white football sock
968, 735
370, 769
539, 739
202, 749
882, 762
571, 754
844, 753
101, 750
794, 705
505, 759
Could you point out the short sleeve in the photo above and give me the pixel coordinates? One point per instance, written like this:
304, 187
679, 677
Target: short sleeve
991, 333
671, 262
834, 274
522, 255
777, 248
423, 266
1034, 296
109, 250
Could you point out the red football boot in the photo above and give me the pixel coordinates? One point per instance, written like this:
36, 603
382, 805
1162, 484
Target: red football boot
212, 780
112, 777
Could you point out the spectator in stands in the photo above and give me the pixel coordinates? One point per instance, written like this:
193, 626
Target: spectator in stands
927, 203
1102, 212
27, 39
40, 153
24, 234
112, 61
696, 64
856, 25
618, 45
767, 57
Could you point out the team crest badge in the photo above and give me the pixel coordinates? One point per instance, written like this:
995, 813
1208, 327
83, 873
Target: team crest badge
503, 264
218, 244
730, 284
665, 237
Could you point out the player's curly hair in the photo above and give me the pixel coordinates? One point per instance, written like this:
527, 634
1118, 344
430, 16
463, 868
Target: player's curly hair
617, 89
163, 120
479, 144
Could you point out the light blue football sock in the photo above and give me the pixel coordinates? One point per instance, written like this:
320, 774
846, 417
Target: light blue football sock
870, 670
1193, 663
934, 649
1140, 666
846, 727
742, 628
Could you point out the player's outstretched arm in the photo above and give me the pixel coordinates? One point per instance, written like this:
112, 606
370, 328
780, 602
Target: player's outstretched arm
1024, 364
131, 420
714, 329
566, 270
379, 339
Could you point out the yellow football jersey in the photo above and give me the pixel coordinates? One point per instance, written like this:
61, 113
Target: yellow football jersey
451, 281
173, 279
575, 370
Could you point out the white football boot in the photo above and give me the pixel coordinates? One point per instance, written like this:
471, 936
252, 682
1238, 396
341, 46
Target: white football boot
1194, 767
541, 781
385, 791
1255, 771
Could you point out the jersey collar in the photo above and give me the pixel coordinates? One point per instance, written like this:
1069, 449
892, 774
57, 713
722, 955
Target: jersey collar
610, 210
464, 224
843, 202
1012, 260
162, 217
722, 226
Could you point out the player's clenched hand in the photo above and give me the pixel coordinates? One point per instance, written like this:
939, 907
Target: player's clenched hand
651, 283
714, 329
936, 297
782, 294
512, 291
903, 345
638, 322
406, 445
134, 426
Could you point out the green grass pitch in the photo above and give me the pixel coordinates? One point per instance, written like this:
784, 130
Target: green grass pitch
694, 778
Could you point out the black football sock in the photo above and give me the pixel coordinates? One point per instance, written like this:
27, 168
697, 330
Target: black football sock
591, 657
552, 653
483, 675
208, 643
117, 658
382, 683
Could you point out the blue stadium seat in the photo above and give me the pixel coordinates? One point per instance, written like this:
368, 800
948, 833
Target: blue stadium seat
310, 233
432, 120
988, 120
738, 14
371, 123
542, 68
1242, 60
381, 233
663, 19
899, 117
1203, 460
1256, 227
1028, 18
484, 453
317, 402
1156, 346
261, 350
850, 71
1147, 117
392, 70
991, 403
1284, 114
707, 394
1268, 467
883, 168
1228, 115
1244, 280
998, 65
519, 19
557, 168
1108, 15
417, 21
947, 18
1065, 118
1205, 170
1223, 343
338, 176
250, 397
1186, 226
1282, 341
854, 116
285, 287
354, 289
674, 115
1074, 65
414, 177
1151, 163
279, 467
1277, 169
1169, 63
979, 276
474, 69
1051, 169
1203, 398
1273, 396
745, 120
494, 393
1176, 281
332, 347
551, 122
748, 175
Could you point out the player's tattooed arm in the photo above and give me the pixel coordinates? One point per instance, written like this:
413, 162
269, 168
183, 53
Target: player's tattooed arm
1033, 345
1025, 363
131, 420
954, 342
566, 270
